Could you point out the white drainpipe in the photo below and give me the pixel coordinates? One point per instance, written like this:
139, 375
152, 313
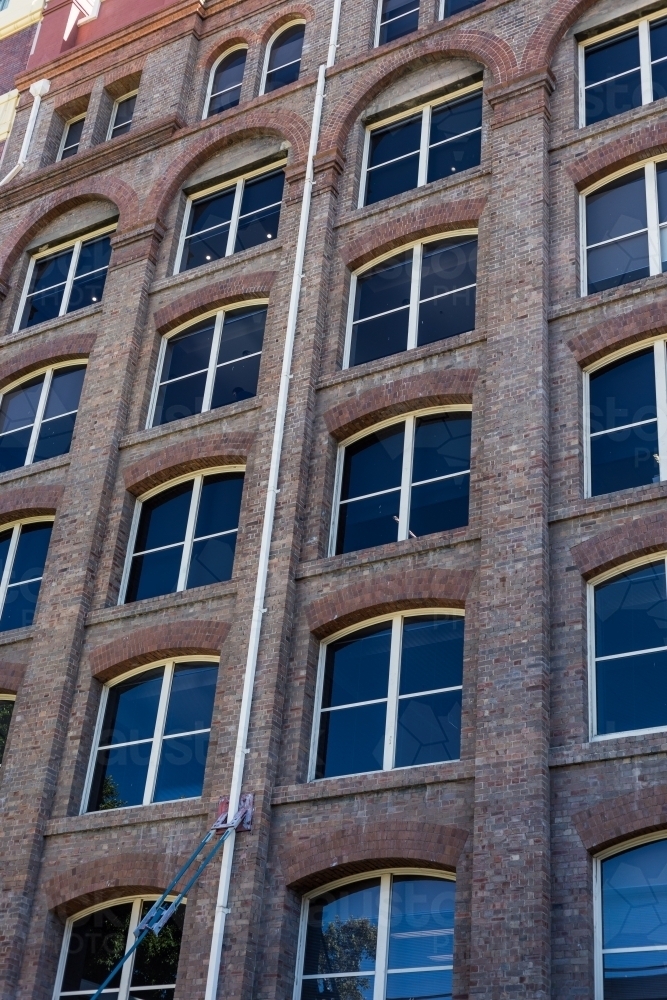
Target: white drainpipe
221, 909
38, 91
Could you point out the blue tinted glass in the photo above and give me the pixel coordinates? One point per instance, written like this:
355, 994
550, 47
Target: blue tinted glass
426, 985
216, 210
621, 460
219, 504
359, 987
222, 102
123, 116
188, 352
49, 271
448, 265
659, 74
455, 151
65, 391
661, 172
94, 255
287, 47
623, 392
364, 523
351, 740
182, 398
212, 561
235, 382
455, 6
379, 337
31, 552
613, 97
229, 73
154, 574
94, 938
421, 924
262, 191
439, 506
431, 653
242, 333
631, 611
395, 140
281, 77
428, 729
442, 446
455, 117
658, 31
180, 772
634, 901
42, 306
392, 178
86, 291
164, 518
638, 974
73, 137
14, 449
342, 930
191, 697
617, 263
257, 228
384, 287
131, 708
203, 249
20, 606
617, 209
357, 667
374, 463
120, 777
55, 437
405, 18
19, 406
447, 316
453, 156
631, 693
617, 55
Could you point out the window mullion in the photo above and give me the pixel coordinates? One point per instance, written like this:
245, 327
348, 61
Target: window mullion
212, 363
654, 256
41, 406
335, 514
392, 693
364, 168
660, 358
158, 732
70, 277
645, 61
422, 173
382, 949
350, 319
406, 478
131, 542
184, 232
126, 974
234, 221
6, 573
189, 533
588, 455
582, 86
415, 283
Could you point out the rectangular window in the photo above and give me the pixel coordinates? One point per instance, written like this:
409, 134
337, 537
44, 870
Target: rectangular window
419, 148
395, 19
623, 69
236, 217
23, 551
64, 280
390, 696
71, 137
122, 115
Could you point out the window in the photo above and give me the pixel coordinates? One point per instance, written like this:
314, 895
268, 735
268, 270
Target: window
627, 421
403, 480
96, 939
236, 217
6, 710
211, 364
64, 280
416, 149
23, 549
397, 929
423, 294
121, 115
631, 924
283, 61
395, 19
623, 69
625, 229
184, 537
37, 416
225, 82
629, 668
390, 696
450, 7
71, 137
152, 738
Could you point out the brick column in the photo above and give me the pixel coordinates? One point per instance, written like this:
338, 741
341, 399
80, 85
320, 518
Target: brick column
510, 901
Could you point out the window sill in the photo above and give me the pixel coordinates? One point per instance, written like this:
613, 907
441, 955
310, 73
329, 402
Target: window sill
208, 270
190, 423
48, 326
130, 816
197, 595
587, 303
609, 748
13, 475
598, 130
620, 500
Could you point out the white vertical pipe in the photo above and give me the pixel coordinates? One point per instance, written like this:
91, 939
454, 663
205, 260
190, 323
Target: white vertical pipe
221, 908
38, 91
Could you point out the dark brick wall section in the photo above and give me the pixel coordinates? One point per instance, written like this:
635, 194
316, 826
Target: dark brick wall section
11, 675
639, 537
214, 296
157, 642
631, 326
612, 821
29, 501
49, 351
190, 456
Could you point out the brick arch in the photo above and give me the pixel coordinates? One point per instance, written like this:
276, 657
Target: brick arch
366, 845
490, 51
287, 125
642, 536
382, 593
643, 810
294, 11
189, 456
11, 676
416, 392
117, 874
29, 501
50, 351
649, 140
542, 43
629, 328
157, 642
249, 39
255, 285
120, 194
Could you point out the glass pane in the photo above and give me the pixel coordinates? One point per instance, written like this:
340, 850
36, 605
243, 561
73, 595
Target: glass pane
164, 518
380, 337
374, 463
364, 523
6, 709
5, 539
431, 653
395, 140
455, 117
634, 900
49, 271
31, 551
131, 708
202, 249
384, 287
425, 985
55, 437
638, 976
19, 406
357, 667
212, 561
191, 697
180, 399
386, 144
455, 6
351, 740
287, 47
439, 506
632, 693
658, 31
235, 382
454, 156
156, 961
429, 729
228, 75
65, 391
97, 943
223, 102
617, 263
342, 988
20, 604
442, 446
14, 449
220, 503
623, 392
342, 930
659, 74
42, 306
94, 255
277, 78
86, 291
614, 97
120, 777
154, 574
262, 191
631, 611
447, 316
448, 265
188, 352
124, 113
621, 460
406, 20
391, 179
258, 228
617, 209
242, 333
73, 137
181, 769
216, 210
421, 924
617, 55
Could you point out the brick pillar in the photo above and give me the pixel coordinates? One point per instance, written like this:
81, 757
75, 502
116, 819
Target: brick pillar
30, 768
511, 892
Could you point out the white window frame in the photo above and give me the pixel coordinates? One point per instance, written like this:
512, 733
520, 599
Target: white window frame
47, 371
211, 76
378, 21
51, 252
643, 24
7, 697
186, 556
15, 527
410, 421
158, 733
269, 48
426, 110
654, 228
128, 968
238, 183
660, 375
627, 845
212, 362
384, 912
114, 111
418, 248
632, 564
395, 656
63, 139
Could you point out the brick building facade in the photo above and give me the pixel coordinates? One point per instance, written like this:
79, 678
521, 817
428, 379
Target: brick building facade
533, 555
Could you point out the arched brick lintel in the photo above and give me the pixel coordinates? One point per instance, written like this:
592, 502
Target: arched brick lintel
157, 642
292, 13
30, 501
219, 46
649, 140
255, 285
431, 221
612, 548
384, 593
49, 351
616, 332
191, 456
417, 392
370, 845
11, 676
542, 43
641, 811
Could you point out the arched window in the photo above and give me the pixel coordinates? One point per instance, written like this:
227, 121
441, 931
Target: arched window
97, 938
631, 900
628, 627
406, 479
152, 737
381, 936
211, 364
23, 549
389, 695
225, 82
183, 536
37, 416
425, 293
6, 710
283, 58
